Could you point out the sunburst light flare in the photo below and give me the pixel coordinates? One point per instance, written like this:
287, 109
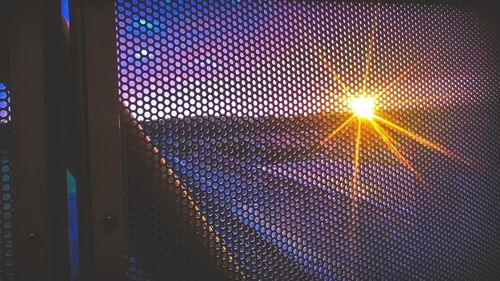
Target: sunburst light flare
362, 104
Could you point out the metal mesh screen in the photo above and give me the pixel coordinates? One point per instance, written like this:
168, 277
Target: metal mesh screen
309, 140
6, 202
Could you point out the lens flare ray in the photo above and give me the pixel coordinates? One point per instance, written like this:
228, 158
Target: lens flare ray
333, 133
415, 136
398, 79
325, 61
392, 147
356, 160
369, 53
362, 107
355, 188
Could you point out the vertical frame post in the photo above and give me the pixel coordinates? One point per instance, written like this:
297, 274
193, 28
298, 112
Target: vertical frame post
100, 195
39, 238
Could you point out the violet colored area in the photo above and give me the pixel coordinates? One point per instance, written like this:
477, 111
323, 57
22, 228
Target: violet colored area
4, 104
236, 100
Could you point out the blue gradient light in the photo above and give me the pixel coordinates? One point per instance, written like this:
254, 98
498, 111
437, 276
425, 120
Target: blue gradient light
65, 10
72, 226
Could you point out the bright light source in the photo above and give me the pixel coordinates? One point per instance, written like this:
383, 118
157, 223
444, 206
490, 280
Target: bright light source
362, 106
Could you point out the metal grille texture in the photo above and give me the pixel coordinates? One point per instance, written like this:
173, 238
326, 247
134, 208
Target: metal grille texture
6, 202
247, 142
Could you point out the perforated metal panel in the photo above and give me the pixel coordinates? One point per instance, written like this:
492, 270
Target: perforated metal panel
6, 202
240, 119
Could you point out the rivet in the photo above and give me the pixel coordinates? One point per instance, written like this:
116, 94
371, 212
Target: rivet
32, 240
109, 222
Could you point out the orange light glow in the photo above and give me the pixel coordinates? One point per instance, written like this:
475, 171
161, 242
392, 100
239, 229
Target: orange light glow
362, 107
334, 132
414, 136
356, 159
362, 102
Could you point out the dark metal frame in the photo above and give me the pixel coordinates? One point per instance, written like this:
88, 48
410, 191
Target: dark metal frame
99, 180
40, 239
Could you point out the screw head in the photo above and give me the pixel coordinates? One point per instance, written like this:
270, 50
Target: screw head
109, 222
32, 239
